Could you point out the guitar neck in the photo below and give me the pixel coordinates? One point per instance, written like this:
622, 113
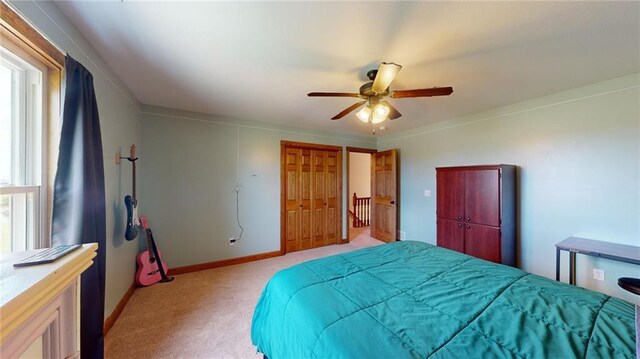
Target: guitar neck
132, 157
134, 182
149, 242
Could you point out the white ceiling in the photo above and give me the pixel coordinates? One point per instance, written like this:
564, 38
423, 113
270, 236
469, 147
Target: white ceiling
258, 60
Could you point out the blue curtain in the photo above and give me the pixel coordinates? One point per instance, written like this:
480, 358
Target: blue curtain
79, 197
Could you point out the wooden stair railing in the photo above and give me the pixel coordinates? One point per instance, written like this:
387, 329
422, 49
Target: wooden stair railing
361, 211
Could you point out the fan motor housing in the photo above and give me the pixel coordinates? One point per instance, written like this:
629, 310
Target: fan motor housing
366, 90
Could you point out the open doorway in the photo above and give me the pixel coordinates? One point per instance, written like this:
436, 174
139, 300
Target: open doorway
358, 192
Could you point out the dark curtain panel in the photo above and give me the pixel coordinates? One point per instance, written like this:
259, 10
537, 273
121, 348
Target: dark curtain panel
79, 199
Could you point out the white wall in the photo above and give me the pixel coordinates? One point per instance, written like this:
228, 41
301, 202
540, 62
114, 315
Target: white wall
578, 154
359, 176
189, 168
120, 123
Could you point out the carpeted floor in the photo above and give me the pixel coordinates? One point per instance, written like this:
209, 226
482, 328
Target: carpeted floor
205, 314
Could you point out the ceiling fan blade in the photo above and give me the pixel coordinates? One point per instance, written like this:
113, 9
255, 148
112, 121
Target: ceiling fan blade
347, 110
436, 91
393, 113
386, 74
332, 94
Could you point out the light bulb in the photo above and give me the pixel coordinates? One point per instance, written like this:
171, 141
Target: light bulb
364, 113
380, 113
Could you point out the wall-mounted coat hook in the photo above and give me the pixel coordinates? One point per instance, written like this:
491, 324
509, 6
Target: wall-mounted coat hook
131, 158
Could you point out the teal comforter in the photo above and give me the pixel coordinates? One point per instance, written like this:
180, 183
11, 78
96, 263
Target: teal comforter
414, 300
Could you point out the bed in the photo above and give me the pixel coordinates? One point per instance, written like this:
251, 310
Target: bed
410, 299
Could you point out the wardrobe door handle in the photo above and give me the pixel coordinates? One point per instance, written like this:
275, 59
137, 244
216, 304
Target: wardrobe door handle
459, 225
393, 202
459, 217
468, 219
468, 226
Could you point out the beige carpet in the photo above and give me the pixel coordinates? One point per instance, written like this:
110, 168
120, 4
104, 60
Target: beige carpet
204, 314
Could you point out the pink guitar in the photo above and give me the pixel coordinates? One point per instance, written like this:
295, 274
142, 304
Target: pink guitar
149, 272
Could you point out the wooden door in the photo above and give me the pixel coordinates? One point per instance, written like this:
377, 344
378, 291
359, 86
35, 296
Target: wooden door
385, 196
333, 224
483, 242
310, 196
451, 234
319, 183
450, 194
482, 196
305, 199
292, 203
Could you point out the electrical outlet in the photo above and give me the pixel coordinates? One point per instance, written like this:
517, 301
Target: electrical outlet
402, 235
598, 274
427, 193
232, 241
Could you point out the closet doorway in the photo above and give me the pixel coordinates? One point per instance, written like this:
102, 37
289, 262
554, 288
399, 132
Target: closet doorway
310, 196
359, 185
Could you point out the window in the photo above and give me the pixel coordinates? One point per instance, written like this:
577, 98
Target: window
21, 153
29, 105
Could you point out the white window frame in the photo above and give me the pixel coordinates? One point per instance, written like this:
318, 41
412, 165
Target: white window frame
33, 120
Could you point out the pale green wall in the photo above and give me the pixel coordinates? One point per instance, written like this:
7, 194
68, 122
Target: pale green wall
578, 154
188, 163
120, 122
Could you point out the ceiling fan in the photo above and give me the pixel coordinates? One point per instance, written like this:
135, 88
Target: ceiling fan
376, 109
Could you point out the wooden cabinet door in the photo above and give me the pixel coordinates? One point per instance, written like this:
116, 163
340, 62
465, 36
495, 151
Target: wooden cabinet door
319, 179
292, 204
482, 196
483, 242
331, 198
384, 209
450, 194
451, 234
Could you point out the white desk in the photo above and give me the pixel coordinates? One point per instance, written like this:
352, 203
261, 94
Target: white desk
42, 302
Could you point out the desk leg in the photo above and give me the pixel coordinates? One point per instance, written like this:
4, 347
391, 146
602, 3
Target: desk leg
557, 264
572, 268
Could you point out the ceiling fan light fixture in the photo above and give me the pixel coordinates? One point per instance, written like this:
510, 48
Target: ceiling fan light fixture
372, 96
376, 120
363, 114
380, 113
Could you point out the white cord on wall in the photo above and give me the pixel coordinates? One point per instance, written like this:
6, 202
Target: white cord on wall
237, 157
238, 212
238, 185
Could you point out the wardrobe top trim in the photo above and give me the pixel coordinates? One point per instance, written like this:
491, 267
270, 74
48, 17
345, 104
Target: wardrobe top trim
479, 167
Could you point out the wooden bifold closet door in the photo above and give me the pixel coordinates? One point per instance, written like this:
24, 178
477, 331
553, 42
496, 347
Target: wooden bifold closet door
311, 189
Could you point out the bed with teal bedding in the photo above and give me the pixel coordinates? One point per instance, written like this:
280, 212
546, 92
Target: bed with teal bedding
414, 300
